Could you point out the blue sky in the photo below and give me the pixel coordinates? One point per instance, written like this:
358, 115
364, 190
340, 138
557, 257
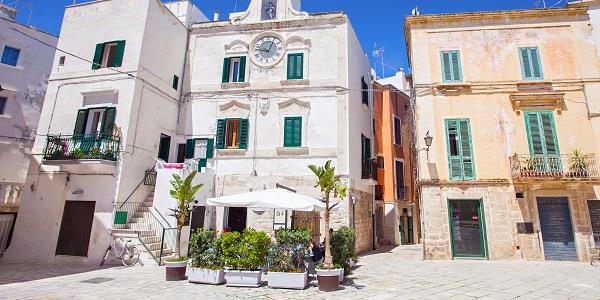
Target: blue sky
375, 21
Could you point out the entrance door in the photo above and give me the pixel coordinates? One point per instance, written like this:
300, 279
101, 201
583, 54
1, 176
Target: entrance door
75, 229
7, 223
557, 233
467, 229
310, 220
198, 217
594, 208
181, 153
236, 219
164, 147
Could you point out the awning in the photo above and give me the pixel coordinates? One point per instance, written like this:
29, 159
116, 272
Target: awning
269, 199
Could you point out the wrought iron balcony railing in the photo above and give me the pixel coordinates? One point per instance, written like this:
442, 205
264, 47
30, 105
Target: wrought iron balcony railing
76, 147
574, 165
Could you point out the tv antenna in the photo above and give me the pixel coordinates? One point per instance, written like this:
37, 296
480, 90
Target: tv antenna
379, 53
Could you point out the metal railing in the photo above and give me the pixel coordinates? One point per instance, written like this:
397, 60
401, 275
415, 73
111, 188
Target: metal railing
555, 166
10, 194
75, 147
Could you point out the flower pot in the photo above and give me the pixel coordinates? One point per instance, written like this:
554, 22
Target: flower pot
243, 278
329, 280
285, 280
330, 272
175, 271
208, 276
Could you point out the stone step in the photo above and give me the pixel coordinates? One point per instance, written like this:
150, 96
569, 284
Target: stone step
140, 227
155, 246
151, 239
166, 253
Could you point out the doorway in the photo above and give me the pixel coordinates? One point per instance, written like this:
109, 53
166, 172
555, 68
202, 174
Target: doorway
164, 147
180, 153
198, 214
557, 233
7, 225
467, 228
76, 228
594, 209
236, 218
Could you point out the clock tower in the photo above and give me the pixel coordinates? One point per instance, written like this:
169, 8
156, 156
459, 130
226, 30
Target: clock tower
269, 10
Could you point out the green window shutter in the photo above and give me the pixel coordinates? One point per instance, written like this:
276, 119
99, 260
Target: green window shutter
210, 148
98, 56
190, 147
82, 115
541, 133
535, 63
292, 136
365, 92
226, 67
202, 164
242, 75
119, 55
175, 82
295, 66
531, 65
525, 64
461, 165
244, 125
451, 66
456, 66
446, 67
109, 121
221, 124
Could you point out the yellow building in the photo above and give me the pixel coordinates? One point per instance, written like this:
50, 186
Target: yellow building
512, 172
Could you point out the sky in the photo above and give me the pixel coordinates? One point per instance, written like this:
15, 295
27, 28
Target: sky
378, 23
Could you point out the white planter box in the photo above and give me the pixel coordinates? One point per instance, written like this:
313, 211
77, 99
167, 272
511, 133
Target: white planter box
178, 264
243, 278
283, 280
332, 272
207, 276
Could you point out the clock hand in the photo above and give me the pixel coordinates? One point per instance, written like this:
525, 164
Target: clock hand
271, 46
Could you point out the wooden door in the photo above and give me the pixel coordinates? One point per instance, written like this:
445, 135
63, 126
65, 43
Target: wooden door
76, 228
308, 220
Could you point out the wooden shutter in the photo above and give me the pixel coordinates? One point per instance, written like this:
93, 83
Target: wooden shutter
446, 67
365, 92
242, 71
541, 133
460, 164
82, 115
292, 132
295, 66
221, 124
98, 57
456, 67
451, 66
119, 55
535, 63
109, 121
530, 63
244, 125
210, 148
175, 82
190, 147
226, 67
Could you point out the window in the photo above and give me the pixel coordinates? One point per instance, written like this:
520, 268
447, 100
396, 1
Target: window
369, 168
3, 105
365, 91
201, 150
234, 69
175, 82
292, 135
108, 55
269, 10
531, 67
541, 133
460, 149
295, 69
451, 67
397, 131
94, 121
61, 61
232, 134
400, 188
10, 56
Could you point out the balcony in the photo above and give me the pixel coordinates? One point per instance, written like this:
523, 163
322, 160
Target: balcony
369, 169
81, 148
571, 166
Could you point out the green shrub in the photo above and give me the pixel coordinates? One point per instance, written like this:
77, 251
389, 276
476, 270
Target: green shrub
205, 250
247, 251
287, 254
77, 154
343, 247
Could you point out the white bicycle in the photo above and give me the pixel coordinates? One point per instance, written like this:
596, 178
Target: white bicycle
124, 250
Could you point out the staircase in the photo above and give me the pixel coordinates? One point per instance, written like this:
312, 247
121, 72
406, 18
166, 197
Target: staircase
143, 224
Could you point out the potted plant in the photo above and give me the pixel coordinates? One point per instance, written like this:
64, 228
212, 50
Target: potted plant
328, 182
244, 256
286, 263
578, 164
206, 258
343, 247
184, 193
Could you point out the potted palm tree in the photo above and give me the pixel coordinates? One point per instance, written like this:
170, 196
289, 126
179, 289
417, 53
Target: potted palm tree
286, 259
206, 258
578, 164
328, 275
184, 193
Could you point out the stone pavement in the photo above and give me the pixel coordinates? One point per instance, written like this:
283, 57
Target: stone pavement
389, 274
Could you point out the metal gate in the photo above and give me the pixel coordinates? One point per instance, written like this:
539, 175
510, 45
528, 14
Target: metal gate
308, 220
594, 209
557, 233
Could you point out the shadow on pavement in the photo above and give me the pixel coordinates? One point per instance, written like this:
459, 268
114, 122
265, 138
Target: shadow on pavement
16, 273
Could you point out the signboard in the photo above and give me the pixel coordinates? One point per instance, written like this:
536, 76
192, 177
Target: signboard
280, 218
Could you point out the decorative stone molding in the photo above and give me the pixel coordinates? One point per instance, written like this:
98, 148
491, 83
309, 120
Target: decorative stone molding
294, 82
453, 87
298, 43
290, 102
235, 85
234, 109
231, 152
292, 151
237, 47
552, 101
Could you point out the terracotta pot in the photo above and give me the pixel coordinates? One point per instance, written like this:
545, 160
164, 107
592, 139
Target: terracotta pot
175, 271
328, 283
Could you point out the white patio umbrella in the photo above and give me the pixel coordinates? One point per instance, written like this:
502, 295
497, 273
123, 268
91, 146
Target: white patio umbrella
270, 199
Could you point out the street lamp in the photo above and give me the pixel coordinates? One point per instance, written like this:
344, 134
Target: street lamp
428, 142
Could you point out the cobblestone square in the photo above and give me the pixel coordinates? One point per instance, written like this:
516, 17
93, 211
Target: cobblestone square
387, 274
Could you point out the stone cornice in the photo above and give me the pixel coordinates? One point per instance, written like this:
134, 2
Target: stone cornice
481, 182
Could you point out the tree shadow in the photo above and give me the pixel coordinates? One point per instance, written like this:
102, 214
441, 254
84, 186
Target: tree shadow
18, 273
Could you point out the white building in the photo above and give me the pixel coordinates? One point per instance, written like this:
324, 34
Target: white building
251, 101
25, 64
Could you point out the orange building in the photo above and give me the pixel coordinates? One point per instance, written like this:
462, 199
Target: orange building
397, 210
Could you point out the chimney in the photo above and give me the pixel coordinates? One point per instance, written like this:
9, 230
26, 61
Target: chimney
8, 12
216, 16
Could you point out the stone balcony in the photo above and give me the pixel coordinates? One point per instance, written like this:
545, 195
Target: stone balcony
554, 166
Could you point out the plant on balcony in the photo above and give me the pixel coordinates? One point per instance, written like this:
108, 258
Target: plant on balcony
109, 154
77, 154
286, 259
206, 256
95, 152
245, 254
579, 164
184, 192
328, 182
529, 167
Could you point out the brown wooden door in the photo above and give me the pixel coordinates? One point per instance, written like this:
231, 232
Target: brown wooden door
75, 228
308, 220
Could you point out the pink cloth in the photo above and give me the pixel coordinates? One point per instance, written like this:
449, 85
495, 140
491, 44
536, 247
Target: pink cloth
174, 166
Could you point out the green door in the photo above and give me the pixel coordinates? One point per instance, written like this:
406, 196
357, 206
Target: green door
467, 228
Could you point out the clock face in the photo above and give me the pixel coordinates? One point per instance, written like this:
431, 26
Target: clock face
267, 51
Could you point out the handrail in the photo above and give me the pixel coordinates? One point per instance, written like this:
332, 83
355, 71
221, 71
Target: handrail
163, 229
135, 189
148, 249
162, 217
